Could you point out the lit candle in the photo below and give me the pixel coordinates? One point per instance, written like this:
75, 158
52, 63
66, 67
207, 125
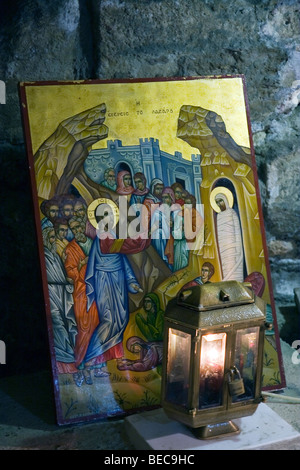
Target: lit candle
212, 367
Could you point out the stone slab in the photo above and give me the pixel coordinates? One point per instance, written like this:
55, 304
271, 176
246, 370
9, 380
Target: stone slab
153, 430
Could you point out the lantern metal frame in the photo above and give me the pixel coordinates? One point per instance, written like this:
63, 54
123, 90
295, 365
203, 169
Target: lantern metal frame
204, 310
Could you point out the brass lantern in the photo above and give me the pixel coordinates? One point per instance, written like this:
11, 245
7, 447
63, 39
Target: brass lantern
213, 356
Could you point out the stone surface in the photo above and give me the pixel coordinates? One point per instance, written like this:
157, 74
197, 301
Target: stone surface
79, 39
28, 421
287, 415
297, 298
155, 431
285, 277
280, 248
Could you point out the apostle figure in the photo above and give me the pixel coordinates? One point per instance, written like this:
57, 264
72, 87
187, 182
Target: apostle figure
141, 190
80, 210
162, 224
207, 271
154, 197
61, 306
50, 210
124, 184
109, 179
76, 260
178, 192
155, 194
60, 226
66, 210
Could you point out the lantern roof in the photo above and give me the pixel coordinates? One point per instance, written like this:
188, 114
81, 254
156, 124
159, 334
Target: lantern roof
216, 303
216, 295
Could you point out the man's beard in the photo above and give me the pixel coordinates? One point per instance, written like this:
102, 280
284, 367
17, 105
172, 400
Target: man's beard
80, 237
51, 246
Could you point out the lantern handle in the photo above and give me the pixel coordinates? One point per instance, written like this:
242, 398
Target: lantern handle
232, 372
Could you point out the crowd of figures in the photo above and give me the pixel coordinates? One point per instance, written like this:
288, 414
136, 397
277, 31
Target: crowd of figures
89, 286
166, 208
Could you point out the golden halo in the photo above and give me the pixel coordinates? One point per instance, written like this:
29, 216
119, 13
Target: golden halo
91, 211
220, 190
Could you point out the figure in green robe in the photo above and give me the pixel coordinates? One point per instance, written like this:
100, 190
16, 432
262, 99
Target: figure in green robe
151, 326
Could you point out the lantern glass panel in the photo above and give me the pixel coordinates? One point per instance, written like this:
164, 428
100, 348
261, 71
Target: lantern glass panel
212, 359
178, 367
246, 350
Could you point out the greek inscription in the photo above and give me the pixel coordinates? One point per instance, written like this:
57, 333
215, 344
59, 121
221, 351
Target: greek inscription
119, 114
162, 111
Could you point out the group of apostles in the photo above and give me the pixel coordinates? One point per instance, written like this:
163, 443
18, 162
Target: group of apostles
166, 211
88, 291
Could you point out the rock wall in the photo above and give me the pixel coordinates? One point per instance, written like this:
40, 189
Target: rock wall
79, 39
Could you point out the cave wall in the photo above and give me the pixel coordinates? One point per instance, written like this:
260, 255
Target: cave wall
80, 39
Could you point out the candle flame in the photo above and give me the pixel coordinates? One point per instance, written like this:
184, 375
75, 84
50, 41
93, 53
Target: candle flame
213, 349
